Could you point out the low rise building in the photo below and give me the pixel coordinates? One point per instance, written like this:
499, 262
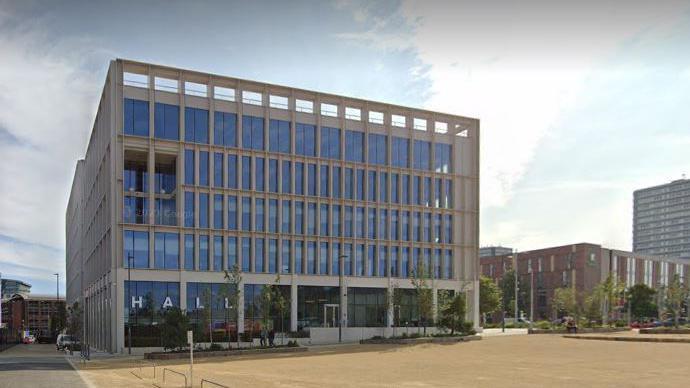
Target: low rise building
32, 313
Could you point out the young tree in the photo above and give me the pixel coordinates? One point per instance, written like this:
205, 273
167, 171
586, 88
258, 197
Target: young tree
489, 296
424, 292
565, 302
453, 313
267, 295
57, 320
507, 286
641, 301
174, 329
233, 282
676, 294
74, 320
610, 292
280, 303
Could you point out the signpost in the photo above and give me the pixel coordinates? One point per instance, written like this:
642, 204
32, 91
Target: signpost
190, 341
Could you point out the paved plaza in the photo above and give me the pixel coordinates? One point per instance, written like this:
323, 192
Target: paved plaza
37, 366
518, 360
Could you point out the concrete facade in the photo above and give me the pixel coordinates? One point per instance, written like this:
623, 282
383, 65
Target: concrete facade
661, 220
95, 218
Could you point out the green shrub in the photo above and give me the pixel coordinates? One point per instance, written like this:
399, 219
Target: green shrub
545, 325
292, 344
215, 347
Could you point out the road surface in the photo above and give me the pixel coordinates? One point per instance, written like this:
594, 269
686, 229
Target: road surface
37, 365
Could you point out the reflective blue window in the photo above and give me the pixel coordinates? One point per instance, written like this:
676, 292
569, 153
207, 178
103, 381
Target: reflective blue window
335, 259
378, 149
253, 132
217, 253
394, 262
136, 120
246, 213
394, 224
371, 217
371, 260
349, 183
416, 190
426, 201
448, 226
259, 255
383, 187
371, 187
305, 139
299, 257
311, 257
359, 222
354, 146
203, 168
135, 210
437, 192
203, 210
448, 198
336, 182
448, 265
405, 262
437, 263
286, 179
437, 228
416, 221
232, 171
203, 253
167, 121
299, 217
323, 183
442, 156
189, 252
383, 224
225, 129
311, 179
218, 169
285, 257
166, 212
349, 259
232, 212
273, 216
427, 260
196, 125
383, 258
336, 221
285, 217
279, 136
349, 221
189, 167
299, 178
405, 227
323, 218
359, 260
427, 227
359, 187
246, 254
422, 155
311, 219
405, 190
259, 166
218, 211
416, 253
259, 214
232, 252
400, 152
323, 258
135, 177
189, 209
272, 255
273, 175
330, 143
136, 249
395, 198
246, 173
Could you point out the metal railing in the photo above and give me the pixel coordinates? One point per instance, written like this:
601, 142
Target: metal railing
212, 383
152, 364
175, 372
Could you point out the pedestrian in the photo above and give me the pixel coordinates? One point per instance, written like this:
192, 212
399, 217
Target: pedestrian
271, 337
263, 337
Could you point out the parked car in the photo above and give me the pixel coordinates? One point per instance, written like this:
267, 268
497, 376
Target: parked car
28, 339
66, 341
671, 322
45, 340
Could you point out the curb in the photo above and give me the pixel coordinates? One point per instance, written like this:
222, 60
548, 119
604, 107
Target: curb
630, 339
222, 353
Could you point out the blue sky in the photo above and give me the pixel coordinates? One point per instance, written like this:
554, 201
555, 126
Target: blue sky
580, 103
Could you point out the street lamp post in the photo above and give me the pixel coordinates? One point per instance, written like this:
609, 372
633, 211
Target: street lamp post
57, 285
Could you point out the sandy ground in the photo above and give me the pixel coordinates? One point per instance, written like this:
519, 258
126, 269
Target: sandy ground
537, 360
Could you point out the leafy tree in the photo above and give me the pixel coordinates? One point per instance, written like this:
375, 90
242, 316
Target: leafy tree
593, 306
490, 298
676, 294
452, 314
266, 300
424, 293
74, 320
280, 303
58, 319
232, 290
565, 302
174, 329
609, 292
641, 301
507, 286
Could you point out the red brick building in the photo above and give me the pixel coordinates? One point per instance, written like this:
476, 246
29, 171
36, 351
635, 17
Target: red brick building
581, 266
30, 312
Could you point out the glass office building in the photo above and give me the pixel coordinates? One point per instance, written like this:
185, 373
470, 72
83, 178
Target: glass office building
334, 199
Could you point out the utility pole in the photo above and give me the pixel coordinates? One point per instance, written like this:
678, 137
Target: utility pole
57, 285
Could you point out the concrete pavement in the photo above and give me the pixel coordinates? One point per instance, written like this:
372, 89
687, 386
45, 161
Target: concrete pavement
37, 365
